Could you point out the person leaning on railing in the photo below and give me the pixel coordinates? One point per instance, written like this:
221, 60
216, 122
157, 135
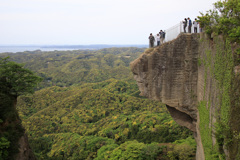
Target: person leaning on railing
185, 24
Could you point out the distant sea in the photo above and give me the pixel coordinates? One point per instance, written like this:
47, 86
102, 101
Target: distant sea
22, 48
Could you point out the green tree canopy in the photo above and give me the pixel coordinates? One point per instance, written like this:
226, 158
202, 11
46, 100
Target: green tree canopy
224, 19
16, 80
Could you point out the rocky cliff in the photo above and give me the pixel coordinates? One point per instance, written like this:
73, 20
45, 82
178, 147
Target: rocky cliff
13, 141
182, 74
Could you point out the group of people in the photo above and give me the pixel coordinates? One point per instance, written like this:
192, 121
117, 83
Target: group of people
188, 23
160, 39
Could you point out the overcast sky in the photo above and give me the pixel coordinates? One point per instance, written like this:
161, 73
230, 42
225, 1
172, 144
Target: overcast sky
75, 22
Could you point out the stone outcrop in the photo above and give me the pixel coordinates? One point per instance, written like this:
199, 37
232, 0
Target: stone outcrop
13, 131
25, 152
169, 73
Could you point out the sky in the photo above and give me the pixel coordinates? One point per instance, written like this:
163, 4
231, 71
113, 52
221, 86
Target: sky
83, 22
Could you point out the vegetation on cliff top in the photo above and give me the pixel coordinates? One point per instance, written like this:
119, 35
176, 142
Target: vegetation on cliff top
224, 19
15, 80
223, 27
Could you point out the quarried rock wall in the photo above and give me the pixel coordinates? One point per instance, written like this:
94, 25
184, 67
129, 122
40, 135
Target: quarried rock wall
169, 73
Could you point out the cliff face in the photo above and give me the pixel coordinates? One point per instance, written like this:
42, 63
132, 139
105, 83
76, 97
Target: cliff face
195, 77
25, 152
16, 142
170, 74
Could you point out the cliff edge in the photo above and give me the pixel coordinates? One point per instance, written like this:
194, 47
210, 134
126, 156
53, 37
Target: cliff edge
193, 75
169, 74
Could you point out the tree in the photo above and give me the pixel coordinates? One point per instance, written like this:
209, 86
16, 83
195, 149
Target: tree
16, 80
224, 19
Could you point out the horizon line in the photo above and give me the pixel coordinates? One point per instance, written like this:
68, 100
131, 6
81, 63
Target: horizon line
4, 45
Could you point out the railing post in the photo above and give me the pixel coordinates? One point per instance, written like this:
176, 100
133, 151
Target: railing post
180, 27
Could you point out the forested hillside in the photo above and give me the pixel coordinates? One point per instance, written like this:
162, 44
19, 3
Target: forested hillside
88, 107
82, 66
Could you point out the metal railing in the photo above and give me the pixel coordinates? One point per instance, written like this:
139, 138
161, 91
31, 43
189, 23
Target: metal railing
175, 30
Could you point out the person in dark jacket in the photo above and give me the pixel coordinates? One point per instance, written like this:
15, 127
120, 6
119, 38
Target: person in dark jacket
189, 25
185, 24
162, 36
151, 40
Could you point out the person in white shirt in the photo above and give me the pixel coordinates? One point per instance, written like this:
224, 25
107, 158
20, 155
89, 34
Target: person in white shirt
158, 39
195, 24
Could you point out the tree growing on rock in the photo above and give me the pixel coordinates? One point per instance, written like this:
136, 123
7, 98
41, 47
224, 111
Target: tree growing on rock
224, 19
15, 80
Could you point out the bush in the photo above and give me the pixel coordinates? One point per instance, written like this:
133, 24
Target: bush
4, 144
183, 150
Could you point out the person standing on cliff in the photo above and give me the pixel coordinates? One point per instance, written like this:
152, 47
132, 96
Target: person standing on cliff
158, 39
151, 40
189, 25
195, 25
162, 36
185, 24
